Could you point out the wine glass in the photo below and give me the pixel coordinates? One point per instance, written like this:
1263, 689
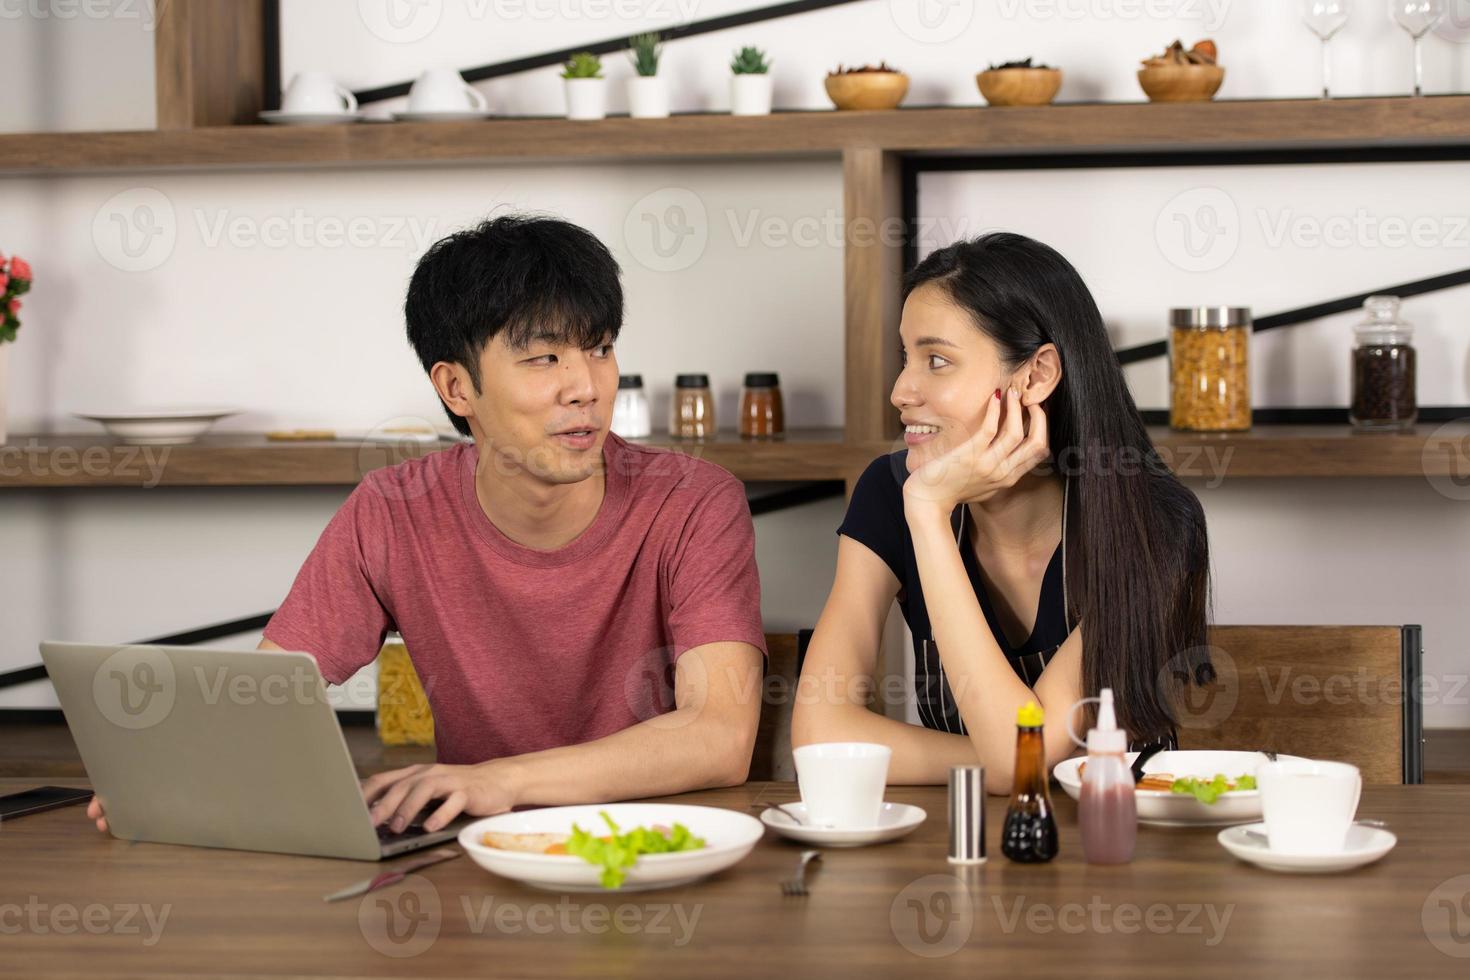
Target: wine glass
1417, 17
1325, 18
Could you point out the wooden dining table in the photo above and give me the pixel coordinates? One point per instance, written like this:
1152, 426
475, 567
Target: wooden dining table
77, 902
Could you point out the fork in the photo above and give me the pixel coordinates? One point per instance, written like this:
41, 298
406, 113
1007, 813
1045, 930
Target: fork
796, 885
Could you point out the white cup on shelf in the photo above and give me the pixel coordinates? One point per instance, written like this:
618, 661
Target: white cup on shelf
842, 783
1308, 805
444, 90
316, 92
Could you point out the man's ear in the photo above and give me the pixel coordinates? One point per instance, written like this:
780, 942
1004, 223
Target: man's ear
1039, 377
452, 383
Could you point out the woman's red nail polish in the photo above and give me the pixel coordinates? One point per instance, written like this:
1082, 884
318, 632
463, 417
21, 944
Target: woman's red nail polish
997, 393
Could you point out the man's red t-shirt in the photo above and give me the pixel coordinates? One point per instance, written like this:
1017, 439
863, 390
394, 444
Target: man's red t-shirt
520, 649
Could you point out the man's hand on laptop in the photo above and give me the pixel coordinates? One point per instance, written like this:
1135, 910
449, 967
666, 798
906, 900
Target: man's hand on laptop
396, 797
94, 812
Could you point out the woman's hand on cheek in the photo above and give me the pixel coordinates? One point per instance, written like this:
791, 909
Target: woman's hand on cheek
993, 459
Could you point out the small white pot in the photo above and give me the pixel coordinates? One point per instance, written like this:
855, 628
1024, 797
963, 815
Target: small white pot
586, 98
648, 97
4, 356
750, 95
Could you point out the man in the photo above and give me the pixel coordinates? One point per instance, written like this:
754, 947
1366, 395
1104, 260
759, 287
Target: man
547, 578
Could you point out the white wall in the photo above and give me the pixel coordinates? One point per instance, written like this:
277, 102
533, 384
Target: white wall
305, 330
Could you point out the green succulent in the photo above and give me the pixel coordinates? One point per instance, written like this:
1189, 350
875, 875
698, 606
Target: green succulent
583, 64
645, 50
750, 61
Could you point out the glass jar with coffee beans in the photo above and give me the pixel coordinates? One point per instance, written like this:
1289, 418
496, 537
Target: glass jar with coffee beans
1384, 398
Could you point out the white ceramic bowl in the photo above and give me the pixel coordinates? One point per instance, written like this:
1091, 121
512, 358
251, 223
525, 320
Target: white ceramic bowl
728, 836
1169, 809
158, 427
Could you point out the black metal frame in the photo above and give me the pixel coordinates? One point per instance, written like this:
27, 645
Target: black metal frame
1411, 665
272, 38
912, 166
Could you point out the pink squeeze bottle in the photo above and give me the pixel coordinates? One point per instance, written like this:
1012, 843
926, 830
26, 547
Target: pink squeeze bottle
1107, 812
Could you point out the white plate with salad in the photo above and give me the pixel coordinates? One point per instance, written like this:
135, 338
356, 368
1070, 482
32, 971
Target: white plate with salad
1187, 788
615, 846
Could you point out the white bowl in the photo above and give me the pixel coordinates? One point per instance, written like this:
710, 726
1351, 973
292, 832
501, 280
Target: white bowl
1168, 809
158, 427
728, 837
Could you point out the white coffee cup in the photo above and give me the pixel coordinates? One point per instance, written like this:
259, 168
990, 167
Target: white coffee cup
316, 92
444, 90
842, 783
1308, 805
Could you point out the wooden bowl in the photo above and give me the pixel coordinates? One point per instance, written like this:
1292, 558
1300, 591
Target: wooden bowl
868, 89
1019, 86
1181, 83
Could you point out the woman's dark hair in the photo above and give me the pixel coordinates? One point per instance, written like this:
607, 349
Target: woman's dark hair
527, 276
1137, 533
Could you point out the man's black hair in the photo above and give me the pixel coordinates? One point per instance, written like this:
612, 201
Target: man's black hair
528, 277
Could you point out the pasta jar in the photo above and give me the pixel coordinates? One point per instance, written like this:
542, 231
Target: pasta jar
404, 715
1383, 368
1209, 369
693, 408
761, 413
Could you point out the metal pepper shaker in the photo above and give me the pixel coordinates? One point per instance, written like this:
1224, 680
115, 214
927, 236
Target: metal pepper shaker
967, 815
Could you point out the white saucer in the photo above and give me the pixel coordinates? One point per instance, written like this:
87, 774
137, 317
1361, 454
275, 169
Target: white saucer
1364, 846
279, 118
442, 115
894, 821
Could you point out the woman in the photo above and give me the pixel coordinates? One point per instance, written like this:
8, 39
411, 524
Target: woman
1037, 546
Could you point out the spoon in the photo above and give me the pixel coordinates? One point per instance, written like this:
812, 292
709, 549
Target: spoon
782, 807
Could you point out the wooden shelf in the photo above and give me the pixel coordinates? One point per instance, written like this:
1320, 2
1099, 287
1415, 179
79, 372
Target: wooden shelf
40, 462
229, 460
1069, 128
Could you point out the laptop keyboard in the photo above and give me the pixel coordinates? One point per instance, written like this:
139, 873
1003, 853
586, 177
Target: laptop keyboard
387, 836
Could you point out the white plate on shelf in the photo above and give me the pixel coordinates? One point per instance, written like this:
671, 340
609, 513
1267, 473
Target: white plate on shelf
1364, 846
278, 118
1167, 809
158, 427
443, 115
728, 836
894, 821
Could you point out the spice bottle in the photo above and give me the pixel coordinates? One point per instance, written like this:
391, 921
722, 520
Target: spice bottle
761, 413
1383, 368
631, 416
1029, 834
1107, 813
1209, 369
693, 409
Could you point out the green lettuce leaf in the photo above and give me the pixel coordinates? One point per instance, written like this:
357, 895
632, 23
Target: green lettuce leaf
620, 851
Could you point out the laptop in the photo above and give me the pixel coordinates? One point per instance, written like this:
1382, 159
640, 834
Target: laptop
219, 748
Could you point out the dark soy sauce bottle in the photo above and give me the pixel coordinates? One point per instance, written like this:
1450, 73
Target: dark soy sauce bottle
1029, 834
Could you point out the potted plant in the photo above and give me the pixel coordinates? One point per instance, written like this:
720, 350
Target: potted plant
1019, 83
868, 87
750, 83
586, 88
648, 97
15, 281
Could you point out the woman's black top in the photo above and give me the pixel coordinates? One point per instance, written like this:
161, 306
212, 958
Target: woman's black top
875, 518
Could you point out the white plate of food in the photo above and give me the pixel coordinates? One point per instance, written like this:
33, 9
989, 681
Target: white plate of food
1195, 772
158, 426
564, 848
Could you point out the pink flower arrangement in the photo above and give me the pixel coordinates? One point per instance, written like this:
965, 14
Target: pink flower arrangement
15, 280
